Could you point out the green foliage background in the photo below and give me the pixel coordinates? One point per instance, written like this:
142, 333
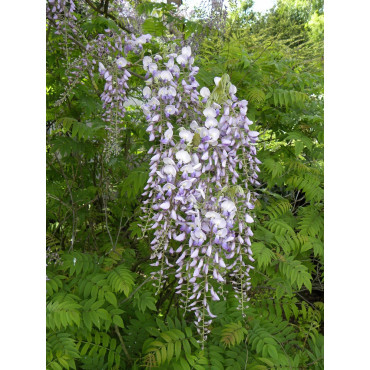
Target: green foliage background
101, 310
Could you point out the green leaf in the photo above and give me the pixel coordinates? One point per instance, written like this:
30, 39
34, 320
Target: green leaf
87, 320
266, 361
272, 351
104, 314
184, 364
154, 26
262, 254
63, 362
170, 351
186, 346
163, 354
55, 366
111, 298
177, 349
298, 147
117, 320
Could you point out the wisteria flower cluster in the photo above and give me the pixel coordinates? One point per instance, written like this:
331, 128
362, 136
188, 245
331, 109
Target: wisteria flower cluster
116, 77
197, 202
108, 53
61, 13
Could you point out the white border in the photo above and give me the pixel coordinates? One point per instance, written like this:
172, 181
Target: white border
22, 184
347, 180
347, 183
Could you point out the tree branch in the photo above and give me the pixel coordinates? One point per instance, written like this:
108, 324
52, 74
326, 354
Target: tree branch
133, 293
83, 48
106, 8
122, 343
108, 15
74, 220
136, 74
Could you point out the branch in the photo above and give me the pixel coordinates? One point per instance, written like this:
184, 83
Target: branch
83, 48
122, 343
132, 294
314, 362
136, 74
106, 220
74, 221
106, 7
108, 15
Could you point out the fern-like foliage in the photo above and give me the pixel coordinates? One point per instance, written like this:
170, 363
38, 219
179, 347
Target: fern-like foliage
262, 254
173, 342
83, 298
61, 351
233, 334
121, 280
289, 97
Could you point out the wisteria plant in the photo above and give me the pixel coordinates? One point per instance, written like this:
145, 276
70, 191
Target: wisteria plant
197, 205
170, 245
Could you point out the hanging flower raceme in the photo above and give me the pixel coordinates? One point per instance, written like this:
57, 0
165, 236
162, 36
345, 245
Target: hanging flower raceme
108, 53
197, 201
60, 14
110, 48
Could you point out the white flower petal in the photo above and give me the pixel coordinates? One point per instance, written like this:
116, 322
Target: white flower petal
168, 134
186, 184
202, 132
170, 109
205, 156
186, 135
154, 101
186, 51
233, 90
163, 91
168, 161
204, 92
248, 219
173, 215
171, 91
212, 214
147, 92
194, 125
121, 62
187, 168
166, 76
169, 170
195, 253
214, 133
169, 186
222, 232
211, 122
228, 206
152, 67
101, 67
253, 134
165, 205
183, 156
180, 237
181, 59
198, 166
209, 112
219, 222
